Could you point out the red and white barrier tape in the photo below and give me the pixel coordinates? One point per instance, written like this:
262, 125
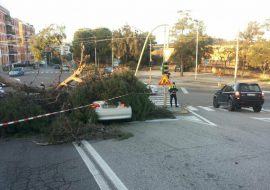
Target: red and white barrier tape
40, 116
5, 124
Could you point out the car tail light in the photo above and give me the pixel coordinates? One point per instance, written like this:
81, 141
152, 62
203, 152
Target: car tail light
94, 105
237, 94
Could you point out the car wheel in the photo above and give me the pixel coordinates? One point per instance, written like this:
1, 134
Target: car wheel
231, 106
257, 108
215, 103
238, 107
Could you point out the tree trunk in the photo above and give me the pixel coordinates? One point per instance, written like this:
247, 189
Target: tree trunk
243, 68
182, 67
225, 66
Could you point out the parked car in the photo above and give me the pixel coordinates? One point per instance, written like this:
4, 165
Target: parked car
17, 71
238, 95
2, 92
2, 84
57, 67
177, 68
65, 68
108, 70
109, 111
153, 88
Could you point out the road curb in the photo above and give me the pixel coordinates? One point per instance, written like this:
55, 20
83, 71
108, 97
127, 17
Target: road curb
179, 111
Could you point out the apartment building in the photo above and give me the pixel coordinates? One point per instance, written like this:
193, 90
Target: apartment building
4, 52
14, 40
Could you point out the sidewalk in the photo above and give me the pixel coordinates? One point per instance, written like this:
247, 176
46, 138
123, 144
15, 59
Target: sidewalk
211, 80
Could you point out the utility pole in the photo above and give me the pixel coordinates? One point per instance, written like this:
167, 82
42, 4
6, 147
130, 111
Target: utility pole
150, 64
236, 58
197, 44
112, 51
95, 51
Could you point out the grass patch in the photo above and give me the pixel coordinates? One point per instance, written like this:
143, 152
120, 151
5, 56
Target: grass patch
265, 80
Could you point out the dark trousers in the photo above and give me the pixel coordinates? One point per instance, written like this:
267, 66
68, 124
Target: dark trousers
175, 99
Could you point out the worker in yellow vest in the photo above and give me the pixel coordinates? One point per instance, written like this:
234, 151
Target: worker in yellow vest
173, 90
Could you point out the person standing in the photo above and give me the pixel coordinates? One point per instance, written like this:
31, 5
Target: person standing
173, 90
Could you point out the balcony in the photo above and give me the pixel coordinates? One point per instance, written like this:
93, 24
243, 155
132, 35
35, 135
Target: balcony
12, 50
10, 31
8, 21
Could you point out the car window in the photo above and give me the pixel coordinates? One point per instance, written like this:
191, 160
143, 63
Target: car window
249, 88
234, 87
228, 89
224, 87
109, 105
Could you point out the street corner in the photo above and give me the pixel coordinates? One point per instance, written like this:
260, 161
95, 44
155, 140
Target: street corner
181, 110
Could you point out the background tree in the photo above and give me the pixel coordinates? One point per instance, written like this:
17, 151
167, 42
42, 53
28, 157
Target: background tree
259, 56
85, 36
184, 38
48, 38
103, 44
252, 33
128, 44
91, 38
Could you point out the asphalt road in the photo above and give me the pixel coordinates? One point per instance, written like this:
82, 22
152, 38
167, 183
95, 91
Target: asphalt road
27, 166
207, 148
189, 155
49, 76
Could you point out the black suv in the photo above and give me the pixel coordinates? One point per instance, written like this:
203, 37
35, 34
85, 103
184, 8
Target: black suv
239, 95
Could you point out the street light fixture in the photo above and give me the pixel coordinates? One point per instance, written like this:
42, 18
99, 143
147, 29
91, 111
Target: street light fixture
138, 65
197, 44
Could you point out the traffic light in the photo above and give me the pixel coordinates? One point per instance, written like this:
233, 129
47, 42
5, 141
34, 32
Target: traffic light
165, 68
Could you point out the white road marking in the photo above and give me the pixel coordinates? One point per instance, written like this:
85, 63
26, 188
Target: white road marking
157, 97
192, 108
159, 100
184, 90
266, 110
202, 118
249, 109
91, 167
160, 120
206, 108
266, 92
262, 119
104, 166
186, 118
191, 118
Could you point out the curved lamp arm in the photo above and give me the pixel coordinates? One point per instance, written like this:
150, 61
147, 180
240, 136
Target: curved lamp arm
138, 65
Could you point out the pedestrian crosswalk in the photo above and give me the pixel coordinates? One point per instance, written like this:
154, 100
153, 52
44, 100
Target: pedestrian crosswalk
211, 109
262, 119
158, 100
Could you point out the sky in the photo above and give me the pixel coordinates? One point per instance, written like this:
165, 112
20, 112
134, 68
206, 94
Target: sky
223, 18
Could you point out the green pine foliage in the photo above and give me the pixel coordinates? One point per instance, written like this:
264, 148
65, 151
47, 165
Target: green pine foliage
75, 124
18, 106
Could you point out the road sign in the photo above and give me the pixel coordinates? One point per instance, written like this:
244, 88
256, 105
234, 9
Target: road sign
164, 81
167, 52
